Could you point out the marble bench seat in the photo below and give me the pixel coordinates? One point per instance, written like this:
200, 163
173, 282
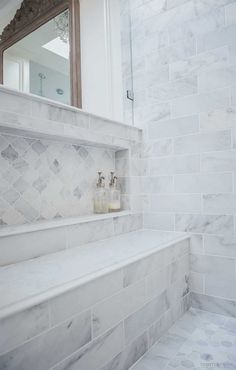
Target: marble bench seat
83, 307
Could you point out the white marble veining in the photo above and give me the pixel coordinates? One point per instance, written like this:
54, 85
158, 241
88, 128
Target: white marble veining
56, 272
197, 340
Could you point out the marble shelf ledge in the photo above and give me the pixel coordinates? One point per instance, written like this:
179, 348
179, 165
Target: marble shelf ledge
32, 116
56, 223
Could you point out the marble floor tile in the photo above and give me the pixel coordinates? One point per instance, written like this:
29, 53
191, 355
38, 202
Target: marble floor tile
198, 340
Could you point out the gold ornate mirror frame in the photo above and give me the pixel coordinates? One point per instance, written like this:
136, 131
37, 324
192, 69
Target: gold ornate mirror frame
33, 14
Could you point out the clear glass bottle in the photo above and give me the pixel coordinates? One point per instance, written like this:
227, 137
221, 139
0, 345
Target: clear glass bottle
101, 196
114, 195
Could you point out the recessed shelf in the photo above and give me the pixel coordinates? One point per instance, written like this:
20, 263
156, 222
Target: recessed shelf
52, 224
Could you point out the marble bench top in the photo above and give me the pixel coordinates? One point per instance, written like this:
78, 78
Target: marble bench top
28, 283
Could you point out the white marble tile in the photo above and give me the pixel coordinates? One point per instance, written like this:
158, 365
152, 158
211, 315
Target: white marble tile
150, 76
219, 203
110, 312
140, 269
81, 234
205, 224
213, 304
127, 223
97, 353
234, 137
200, 103
196, 244
178, 51
215, 39
14, 103
147, 10
158, 148
23, 326
152, 113
207, 61
79, 265
173, 127
230, 14
172, 90
211, 21
215, 79
232, 53
54, 344
77, 300
203, 183
158, 221
221, 267
233, 95
220, 245
174, 165
219, 161
196, 282
159, 184
31, 245
218, 119
175, 203
203, 142
224, 288
157, 283
142, 319
130, 355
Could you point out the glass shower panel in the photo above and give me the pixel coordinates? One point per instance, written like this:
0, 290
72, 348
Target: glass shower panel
127, 63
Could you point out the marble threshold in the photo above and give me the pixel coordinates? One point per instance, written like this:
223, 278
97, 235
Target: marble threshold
31, 282
59, 222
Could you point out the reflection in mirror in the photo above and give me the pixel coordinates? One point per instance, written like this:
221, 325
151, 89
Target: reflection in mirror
39, 63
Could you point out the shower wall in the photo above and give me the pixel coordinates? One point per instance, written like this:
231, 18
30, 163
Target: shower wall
184, 77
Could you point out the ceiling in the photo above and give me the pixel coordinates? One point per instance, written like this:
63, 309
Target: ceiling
8, 9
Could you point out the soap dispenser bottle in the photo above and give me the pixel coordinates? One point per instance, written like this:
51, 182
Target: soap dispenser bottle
101, 196
114, 194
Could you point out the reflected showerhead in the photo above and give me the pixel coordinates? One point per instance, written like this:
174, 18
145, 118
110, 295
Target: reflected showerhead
42, 76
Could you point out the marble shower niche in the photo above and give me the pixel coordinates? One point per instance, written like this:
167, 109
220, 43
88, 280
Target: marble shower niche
44, 179
50, 155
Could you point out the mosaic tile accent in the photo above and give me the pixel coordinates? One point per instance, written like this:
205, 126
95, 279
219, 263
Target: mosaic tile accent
44, 179
199, 340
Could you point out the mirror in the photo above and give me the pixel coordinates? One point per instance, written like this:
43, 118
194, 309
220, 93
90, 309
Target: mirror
40, 62
39, 48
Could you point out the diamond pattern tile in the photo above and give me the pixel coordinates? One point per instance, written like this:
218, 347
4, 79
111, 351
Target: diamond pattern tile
43, 179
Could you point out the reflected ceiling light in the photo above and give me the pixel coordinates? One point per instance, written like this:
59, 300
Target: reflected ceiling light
59, 47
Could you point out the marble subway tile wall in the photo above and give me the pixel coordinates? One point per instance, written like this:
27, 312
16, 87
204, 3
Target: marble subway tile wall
184, 80
44, 179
